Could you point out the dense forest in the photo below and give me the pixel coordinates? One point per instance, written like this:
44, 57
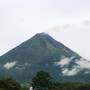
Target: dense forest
11, 84
42, 81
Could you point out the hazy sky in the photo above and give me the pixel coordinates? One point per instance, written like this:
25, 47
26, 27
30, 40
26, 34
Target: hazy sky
21, 19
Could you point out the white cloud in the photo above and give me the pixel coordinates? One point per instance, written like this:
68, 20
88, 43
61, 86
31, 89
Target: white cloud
10, 65
83, 64
64, 61
72, 72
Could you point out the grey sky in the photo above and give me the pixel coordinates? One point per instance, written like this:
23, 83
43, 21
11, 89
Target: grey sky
21, 19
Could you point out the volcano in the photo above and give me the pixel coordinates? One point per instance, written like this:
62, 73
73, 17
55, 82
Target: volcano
42, 52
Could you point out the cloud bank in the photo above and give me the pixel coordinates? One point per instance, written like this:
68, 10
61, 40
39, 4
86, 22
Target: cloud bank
77, 66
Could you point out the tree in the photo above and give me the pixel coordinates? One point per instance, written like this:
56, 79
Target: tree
41, 81
9, 84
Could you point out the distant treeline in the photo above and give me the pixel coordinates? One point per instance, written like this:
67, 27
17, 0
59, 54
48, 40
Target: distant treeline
42, 81
69, 86
11, 84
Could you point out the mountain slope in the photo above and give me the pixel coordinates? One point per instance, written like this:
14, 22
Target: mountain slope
42, 52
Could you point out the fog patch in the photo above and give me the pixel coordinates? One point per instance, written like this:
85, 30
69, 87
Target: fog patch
63, 62
84, 64
74, 71
10, 65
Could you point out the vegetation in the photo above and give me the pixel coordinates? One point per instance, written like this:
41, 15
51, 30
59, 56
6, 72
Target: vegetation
10, 84
42, 81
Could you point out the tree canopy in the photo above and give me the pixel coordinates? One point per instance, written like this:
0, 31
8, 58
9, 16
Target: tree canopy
41, 80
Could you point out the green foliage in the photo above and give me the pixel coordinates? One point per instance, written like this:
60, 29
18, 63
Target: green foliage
9, 84
69, 86
24, 88
41, 80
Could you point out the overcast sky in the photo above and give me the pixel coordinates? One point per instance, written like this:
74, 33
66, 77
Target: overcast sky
67, 21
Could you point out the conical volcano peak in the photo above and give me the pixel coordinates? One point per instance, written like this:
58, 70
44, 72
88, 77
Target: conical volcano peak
44, 34
41, 52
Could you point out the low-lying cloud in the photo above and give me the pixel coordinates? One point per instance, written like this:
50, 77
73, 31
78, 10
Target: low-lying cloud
83, 64
72, 72
10, 65
63, 62
77, 66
